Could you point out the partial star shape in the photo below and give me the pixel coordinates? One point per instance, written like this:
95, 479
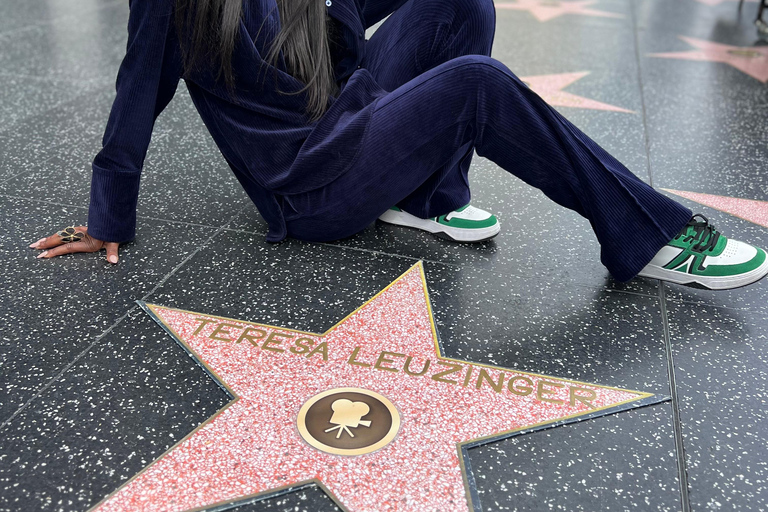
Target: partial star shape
545, 10
752, 60
252, 447
550, 88
747, 209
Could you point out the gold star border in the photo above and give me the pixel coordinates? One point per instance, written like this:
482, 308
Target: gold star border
643, 400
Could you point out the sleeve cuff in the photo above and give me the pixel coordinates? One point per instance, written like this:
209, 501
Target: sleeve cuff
112, 212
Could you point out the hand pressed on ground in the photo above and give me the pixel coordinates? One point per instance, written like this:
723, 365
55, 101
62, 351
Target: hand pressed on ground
53, 246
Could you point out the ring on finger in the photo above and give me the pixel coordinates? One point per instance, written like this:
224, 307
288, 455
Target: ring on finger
70, 234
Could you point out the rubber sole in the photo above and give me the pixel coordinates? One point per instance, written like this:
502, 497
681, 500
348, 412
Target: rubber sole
402, 218
712, 283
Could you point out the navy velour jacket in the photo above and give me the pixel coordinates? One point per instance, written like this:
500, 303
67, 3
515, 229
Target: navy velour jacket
264, 136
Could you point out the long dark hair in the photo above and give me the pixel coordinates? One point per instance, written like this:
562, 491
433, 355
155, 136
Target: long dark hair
209, 30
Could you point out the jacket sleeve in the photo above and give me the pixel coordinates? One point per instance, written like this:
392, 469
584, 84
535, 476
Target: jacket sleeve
146, 82
376, 10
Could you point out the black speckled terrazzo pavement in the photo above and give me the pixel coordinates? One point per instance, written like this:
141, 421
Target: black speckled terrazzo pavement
92, 390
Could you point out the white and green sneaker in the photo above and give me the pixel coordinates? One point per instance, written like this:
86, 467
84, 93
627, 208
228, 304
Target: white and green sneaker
699, 254
467, 224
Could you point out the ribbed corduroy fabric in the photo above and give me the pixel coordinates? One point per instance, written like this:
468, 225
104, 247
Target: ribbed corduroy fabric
448, 97
411, 146
264, 135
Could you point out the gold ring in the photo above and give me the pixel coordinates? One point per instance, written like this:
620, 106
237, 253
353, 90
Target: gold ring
70, 234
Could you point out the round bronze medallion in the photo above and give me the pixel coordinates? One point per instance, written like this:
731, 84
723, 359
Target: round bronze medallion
348, 421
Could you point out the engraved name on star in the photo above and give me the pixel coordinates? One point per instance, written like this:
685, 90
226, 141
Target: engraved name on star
545, 10
550, 88
257, 445
752, 60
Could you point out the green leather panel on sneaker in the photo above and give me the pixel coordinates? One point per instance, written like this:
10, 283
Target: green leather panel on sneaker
689, 261
680, 264
730, 270
720, 247
717, 250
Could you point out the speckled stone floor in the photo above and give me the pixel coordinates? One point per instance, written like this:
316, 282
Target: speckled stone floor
92, 390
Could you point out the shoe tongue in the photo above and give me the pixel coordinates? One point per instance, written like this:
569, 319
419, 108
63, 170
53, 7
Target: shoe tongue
697, 231
690, 231
703, 239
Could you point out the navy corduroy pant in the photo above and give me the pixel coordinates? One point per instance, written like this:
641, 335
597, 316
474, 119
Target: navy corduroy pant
448, 97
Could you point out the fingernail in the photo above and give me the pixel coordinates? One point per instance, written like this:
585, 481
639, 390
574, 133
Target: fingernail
112, 259
42, 254
33, 245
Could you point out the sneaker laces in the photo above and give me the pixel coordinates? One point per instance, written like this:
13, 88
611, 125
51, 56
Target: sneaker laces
703, 232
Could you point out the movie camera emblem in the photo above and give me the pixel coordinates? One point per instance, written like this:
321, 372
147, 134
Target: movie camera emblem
348, 421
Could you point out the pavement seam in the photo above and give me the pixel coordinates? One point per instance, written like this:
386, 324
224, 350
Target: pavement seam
682, 471
641, 88
109, 329
341, 247
22, 173
682, 467
490, 271
390, 254
190, 256
454, 265
69, 365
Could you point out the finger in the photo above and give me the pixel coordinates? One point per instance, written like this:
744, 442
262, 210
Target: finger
55, 240
112, 252
81, 246
48, 242
35, 244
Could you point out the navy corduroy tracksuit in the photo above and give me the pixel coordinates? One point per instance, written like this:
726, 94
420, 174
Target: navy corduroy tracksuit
415, 101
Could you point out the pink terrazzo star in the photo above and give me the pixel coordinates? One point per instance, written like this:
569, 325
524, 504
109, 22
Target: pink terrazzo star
752, 60
252, 446
545, 10
747, 209
550, 88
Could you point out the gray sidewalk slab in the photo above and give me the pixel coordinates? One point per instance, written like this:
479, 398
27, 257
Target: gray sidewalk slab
92, 390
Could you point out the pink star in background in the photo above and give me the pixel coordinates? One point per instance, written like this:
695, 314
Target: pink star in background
545, 10
752, 60
747, 209
550, 88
